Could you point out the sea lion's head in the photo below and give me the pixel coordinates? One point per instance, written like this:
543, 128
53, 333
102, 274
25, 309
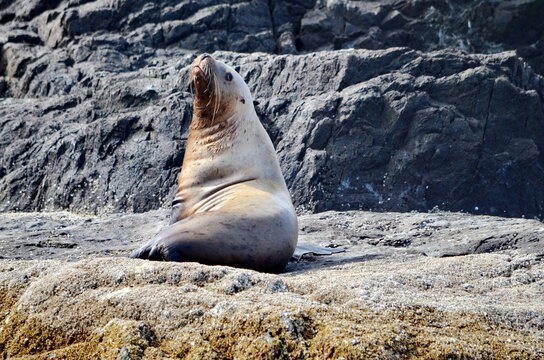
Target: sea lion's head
220, 92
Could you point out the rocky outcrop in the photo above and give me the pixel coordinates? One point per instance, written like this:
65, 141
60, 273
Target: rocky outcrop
96, 103
397, 292
384, 130
473, 26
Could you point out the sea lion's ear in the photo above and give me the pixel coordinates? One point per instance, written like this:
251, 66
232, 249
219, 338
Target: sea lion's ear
237, 69
255, 103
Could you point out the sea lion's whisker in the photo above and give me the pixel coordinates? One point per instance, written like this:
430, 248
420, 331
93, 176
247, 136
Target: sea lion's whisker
191, 89
217, 96
209, 102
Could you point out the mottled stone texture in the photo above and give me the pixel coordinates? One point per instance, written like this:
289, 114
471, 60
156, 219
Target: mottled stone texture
400, 291
96, 105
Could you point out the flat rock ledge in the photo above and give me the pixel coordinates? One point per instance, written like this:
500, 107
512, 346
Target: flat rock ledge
410, 285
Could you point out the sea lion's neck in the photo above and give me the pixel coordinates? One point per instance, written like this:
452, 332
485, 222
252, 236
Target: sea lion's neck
234, 151
203, 119
209, 153
208, 164
210, 140
208, 113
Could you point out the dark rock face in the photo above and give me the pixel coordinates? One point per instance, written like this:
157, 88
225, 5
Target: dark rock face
96, 105
401, 130
208, 25
286, 26
486, 26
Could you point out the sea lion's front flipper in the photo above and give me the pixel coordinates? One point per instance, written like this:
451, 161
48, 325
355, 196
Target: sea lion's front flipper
177, 209
303, 249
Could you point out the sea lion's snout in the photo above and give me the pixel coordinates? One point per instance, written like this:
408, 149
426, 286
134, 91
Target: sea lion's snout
203, 78
198, 74
200, 81
203, 60
201, 72
201, 64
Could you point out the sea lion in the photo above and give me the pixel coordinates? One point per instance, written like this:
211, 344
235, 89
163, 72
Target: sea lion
232, 206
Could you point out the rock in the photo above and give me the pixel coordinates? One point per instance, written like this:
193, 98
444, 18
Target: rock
286, 26
68, 236
383, 297
475, 27
96, 101
412, 131
60, 236
397, 113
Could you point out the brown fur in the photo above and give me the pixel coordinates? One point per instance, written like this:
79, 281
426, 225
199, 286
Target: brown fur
211, 106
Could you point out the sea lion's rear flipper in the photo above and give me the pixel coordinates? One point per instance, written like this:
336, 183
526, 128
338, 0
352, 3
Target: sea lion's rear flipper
303, 249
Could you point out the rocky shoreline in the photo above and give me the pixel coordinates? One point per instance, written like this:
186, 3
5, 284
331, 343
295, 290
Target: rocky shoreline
423, 285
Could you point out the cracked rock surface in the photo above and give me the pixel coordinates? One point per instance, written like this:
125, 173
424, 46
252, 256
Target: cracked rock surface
72, 237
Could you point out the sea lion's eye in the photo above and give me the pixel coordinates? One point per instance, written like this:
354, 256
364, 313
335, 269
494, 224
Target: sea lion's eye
228, 76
